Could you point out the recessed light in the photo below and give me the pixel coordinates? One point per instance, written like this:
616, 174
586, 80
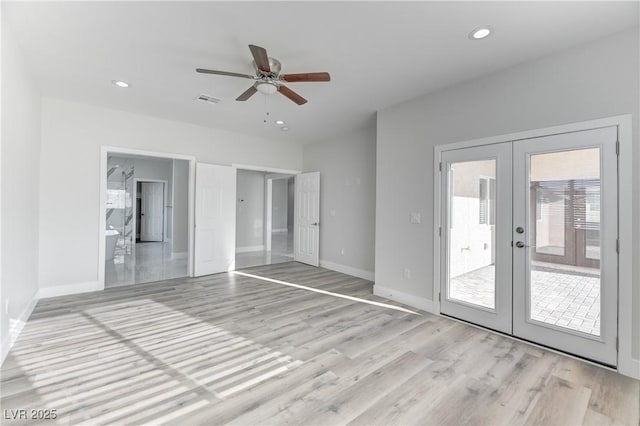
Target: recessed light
120, 83
480, 33
279, 122
284, 129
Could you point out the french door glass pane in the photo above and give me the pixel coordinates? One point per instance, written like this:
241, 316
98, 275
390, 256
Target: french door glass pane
550, 217
472, 233
565, 255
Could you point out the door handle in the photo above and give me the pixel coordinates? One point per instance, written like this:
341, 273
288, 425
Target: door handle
520, 244
315, 224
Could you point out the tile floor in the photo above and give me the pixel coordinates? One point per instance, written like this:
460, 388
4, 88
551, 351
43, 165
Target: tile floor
154, 261
281, 251
148, 262
564, 298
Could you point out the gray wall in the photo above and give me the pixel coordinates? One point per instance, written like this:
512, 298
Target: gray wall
590, 81
70, 223
347, 166
180, 238
20, 159
250, 210
279, 206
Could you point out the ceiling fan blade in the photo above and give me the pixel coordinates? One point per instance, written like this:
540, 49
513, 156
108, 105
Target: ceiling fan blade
230, 74
247, 94
292, 95
310, 76
261, 58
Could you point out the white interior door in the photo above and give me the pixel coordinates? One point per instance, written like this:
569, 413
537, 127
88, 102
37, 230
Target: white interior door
565, 260
152, 211
476, 212
215, 224
307, 218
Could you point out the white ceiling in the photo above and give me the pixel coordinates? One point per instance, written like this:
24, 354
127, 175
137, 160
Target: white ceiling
378, 53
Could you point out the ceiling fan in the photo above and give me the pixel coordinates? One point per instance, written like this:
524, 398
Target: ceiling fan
268, 79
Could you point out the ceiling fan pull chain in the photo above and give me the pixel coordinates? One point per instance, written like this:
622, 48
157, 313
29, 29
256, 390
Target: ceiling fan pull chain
266, 110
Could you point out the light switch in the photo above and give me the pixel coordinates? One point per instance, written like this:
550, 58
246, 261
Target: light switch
415, 218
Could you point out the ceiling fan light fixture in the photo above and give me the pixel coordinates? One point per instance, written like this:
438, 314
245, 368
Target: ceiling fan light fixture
284, 129
279, 122
480, 32
266, 88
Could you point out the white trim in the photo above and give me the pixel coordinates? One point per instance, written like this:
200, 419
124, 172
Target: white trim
104, 151
268, 207
165, 191
627, 364
68, 289
404, 298
268, 212
279, 230
16, 326
247, 249
349, 270
632, 368
179, 255
265, 169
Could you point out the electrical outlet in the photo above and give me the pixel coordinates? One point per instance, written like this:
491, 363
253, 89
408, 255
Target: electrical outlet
407, 274
6, 307
415, 218
343, 251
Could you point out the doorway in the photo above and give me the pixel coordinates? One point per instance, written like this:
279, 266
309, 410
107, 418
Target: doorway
146, 219
529, 234
279, 204
264, 218
150, 222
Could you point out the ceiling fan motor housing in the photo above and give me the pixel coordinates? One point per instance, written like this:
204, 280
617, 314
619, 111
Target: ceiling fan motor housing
274, 64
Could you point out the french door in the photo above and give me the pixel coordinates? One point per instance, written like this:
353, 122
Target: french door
529, 237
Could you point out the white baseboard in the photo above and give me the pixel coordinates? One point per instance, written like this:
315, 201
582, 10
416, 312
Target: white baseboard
355, 272
246, 249
16, 326
279, 230
630, 368
405, 298
179, 255
67, 289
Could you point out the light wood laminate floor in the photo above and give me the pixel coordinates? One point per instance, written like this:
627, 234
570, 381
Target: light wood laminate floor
235, 349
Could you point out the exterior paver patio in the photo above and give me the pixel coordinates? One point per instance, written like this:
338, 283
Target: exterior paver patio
569, 299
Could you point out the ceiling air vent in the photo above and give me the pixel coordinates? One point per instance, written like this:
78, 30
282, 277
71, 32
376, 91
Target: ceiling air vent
206, 98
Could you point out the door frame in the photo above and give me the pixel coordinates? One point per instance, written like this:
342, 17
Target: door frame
165, 225
268, 207
271, 173
105, 151
627, 365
